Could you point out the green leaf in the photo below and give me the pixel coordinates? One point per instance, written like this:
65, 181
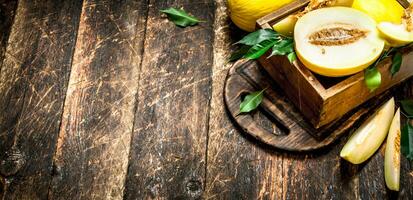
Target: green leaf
251, 102
292, 57
283, 47
259, 49
372, 78
397, 62
239, 53
258, 36
180, 17
407, 106
407, 141
261, 41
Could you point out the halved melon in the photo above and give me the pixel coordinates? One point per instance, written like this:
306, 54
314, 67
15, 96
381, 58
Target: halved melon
337, 41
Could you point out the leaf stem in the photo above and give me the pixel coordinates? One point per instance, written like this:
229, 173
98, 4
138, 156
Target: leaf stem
406, 115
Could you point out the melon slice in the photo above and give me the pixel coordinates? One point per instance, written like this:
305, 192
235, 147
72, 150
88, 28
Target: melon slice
371, 134
399, 34
337, 41
395, 34
286, 25
392, 154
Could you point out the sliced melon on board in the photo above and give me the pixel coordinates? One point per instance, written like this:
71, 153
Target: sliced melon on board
337, 41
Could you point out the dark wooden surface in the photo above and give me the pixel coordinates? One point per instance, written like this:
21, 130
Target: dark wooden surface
110, 100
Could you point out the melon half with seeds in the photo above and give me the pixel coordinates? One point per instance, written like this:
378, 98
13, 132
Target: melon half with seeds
337, 41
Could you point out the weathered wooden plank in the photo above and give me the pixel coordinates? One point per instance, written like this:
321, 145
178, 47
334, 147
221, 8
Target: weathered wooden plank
237, 167
93, 145
169, 140
371, 177
33, 84
321, 175
7, 11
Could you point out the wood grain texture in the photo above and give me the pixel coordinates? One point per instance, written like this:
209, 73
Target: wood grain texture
144, 115
171, 125
299, 84
237, 168
7, 12
93, 145
353, 91
33, 83
321, 175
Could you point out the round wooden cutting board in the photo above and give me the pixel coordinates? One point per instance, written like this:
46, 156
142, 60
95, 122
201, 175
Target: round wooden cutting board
277, 122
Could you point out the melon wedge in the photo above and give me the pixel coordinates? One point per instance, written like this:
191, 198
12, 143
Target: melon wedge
371, 134
286, 25
392, 154
337, 41
398, 34
395, 34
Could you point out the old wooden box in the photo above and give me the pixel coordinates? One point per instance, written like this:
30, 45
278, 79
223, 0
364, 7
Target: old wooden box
324, 99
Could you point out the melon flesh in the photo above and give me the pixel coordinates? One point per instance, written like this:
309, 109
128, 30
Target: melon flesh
286, 25
369, 136
337, 41
392, 154
395, 34
398, 34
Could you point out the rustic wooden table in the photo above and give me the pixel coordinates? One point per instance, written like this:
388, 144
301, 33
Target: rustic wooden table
109, 100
